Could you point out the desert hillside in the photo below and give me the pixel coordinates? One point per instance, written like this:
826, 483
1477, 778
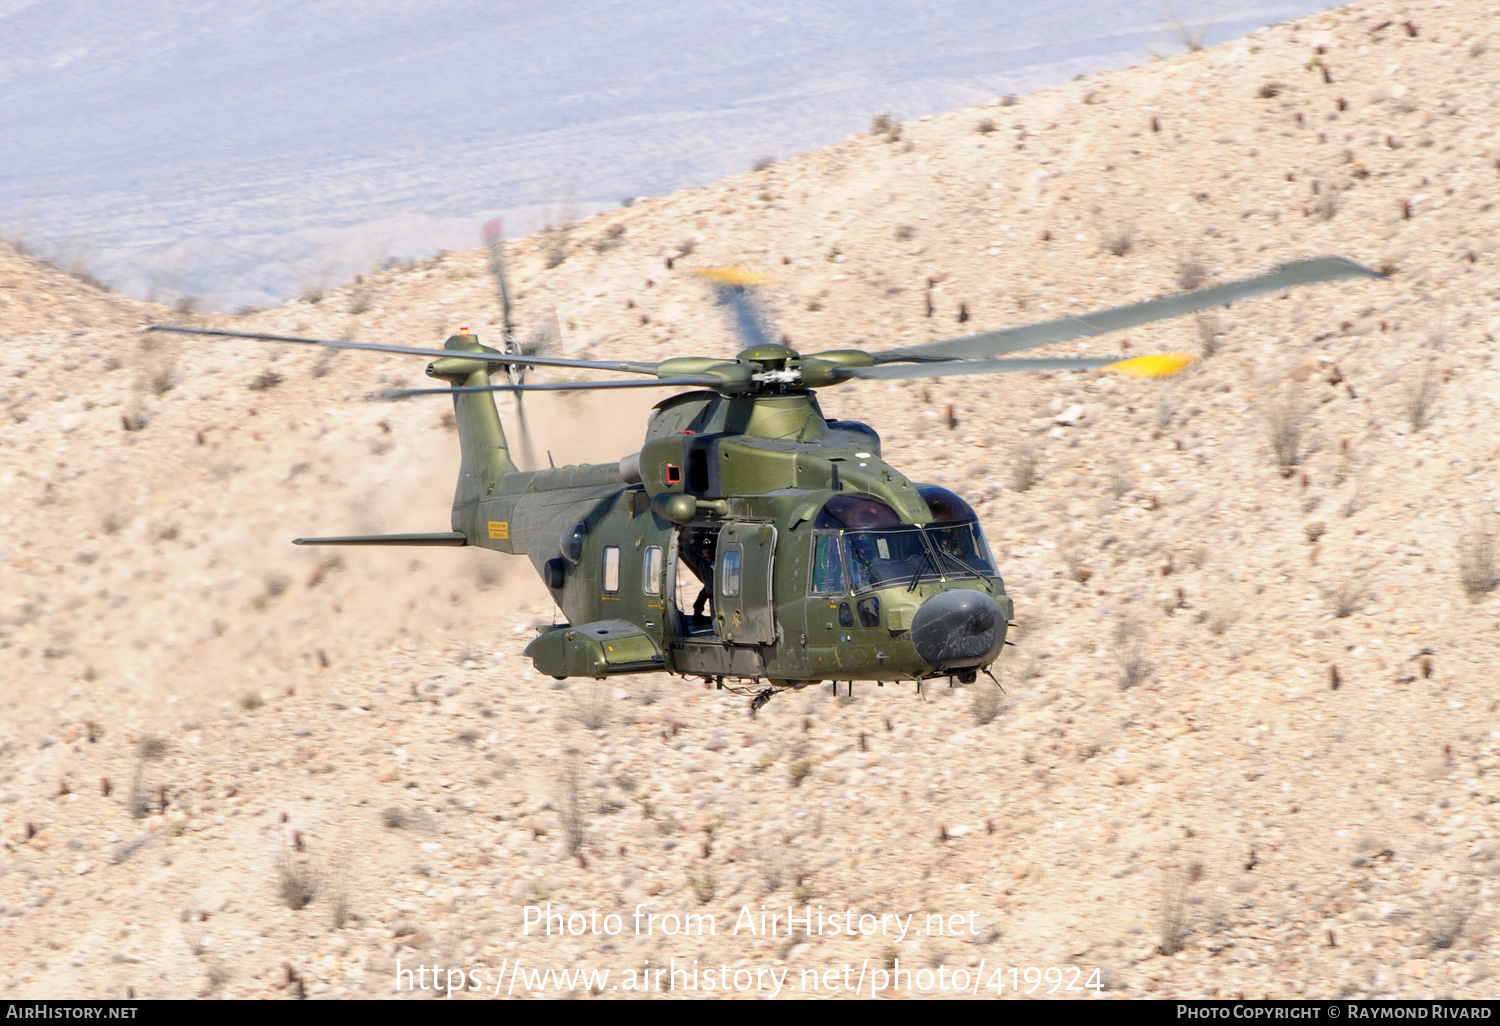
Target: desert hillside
1248, 742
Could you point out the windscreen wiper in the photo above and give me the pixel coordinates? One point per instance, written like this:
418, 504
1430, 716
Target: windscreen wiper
962, 563
926, 558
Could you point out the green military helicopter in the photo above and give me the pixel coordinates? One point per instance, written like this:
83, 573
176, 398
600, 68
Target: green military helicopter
752, 539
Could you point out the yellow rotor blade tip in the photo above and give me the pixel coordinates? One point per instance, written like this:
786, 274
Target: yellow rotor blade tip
733, 276
1156, 365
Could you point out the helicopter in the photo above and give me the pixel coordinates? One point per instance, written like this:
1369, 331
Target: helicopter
812, 558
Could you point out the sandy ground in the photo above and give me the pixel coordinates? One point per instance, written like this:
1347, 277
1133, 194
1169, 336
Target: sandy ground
1248, 740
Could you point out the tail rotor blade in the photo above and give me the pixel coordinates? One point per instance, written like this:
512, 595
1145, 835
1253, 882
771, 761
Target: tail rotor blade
494, 238
527, 452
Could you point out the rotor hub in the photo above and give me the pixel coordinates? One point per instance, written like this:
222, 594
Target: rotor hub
768, 356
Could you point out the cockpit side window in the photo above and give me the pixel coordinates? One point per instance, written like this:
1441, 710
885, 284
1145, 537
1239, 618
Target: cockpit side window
828, 564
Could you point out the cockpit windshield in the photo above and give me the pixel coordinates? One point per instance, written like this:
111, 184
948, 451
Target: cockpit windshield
881, 550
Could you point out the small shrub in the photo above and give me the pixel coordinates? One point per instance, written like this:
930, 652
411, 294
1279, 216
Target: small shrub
1315, 530
772, 868
1420, 397
985, 703
251, 701
1024, 470
394, 817
1286, 420
593, 704
1476, 560
1190, 272
296, 880
1326, 206
905, 231
570, 807
985, 126
1347, 596
884, 124
1118, 240
1269, 91
704, 885
1354, 498
1009, 100
1191, 37
1131, 642
1121, 481
1208, 329
1447, 926
762, 163
799, 770
1173, 927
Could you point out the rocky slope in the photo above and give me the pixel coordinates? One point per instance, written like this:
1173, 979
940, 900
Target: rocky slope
1247, 742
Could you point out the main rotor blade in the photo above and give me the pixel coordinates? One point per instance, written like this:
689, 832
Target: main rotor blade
1010, 340
557, 386
732, 288
940, 369
619, 366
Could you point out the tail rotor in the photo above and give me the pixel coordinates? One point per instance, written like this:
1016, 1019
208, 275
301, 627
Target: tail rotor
494, 239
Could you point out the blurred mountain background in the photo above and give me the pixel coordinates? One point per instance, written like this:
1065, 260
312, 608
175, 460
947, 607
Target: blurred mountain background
236, 155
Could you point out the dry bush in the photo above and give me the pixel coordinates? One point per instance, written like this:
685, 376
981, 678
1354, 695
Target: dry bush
1326, 206
1190, 272
156, 368
251, 701
1420, 397
1220, 614
1132, 639
1285, 414
1209, 330
570, 806
762, 163
1072, 556
985, 703
1448, 926
771, 864
592, 704
1193, 38
394, 817
296, 878
1347, 596
985, 126
884, 124
342, 902
1476, 560
799, 769
1024, 469
704, 885
1121, 481
1173, 925
361, 298
1118, 239
1354, 498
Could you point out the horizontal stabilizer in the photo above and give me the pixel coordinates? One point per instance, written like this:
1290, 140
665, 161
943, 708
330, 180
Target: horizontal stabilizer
433, 538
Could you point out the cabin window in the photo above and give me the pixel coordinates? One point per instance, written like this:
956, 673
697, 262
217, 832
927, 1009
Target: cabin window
611, 569
731, 585
651, 579
828, 565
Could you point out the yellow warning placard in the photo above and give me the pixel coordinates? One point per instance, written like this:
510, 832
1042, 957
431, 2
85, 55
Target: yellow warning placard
500, 529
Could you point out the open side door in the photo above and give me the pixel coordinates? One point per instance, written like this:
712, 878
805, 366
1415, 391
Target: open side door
742, 584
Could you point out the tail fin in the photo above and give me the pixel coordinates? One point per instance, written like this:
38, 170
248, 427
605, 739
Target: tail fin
486, 454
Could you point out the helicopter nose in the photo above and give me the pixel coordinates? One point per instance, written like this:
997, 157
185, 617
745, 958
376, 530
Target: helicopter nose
957, 630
